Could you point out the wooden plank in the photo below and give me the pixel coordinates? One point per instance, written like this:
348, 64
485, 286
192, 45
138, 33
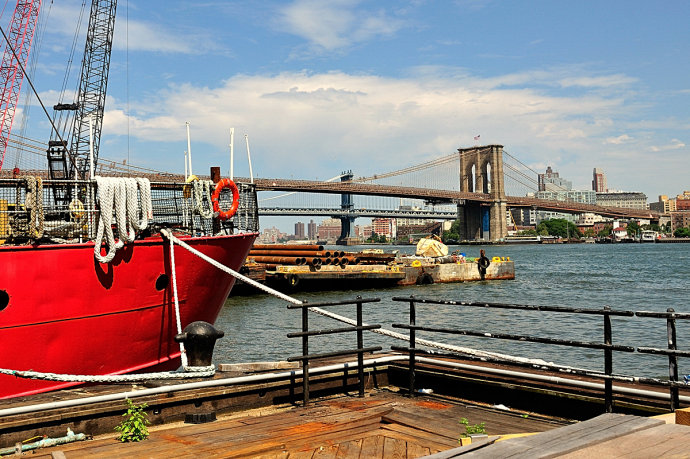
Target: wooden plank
325, 452
349, 449
424, 438
258, 366
307, 454
415, 450
423, 423
372, 447
394, 448
667, 440
569, 438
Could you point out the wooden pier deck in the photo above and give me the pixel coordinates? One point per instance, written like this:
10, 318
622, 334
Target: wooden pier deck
381, 425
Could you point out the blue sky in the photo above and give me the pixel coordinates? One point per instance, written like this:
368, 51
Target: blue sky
374, 86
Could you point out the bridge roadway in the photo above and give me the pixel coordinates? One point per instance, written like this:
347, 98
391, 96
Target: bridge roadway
446, 196
355, 213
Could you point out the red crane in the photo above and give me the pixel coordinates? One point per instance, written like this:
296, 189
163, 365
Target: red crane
17, 47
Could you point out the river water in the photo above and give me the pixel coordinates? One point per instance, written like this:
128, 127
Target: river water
634, 277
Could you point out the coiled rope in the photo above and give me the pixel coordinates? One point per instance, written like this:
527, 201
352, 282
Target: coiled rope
132, 212
34, 203
382, 331
202, 192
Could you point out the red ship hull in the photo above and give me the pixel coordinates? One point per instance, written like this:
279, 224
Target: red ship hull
67, 313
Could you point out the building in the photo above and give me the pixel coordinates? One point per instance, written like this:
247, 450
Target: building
680, 219
328, 230
299, 230
664, 205
270, 236
384, 227
311, 230
683, 201
588, 219
580, 196
599, 181
625, 199
550, 181
363, 232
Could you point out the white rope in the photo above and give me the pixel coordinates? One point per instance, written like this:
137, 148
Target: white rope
202, 192
127, 196
183, 352
381, 331
34, 203
189, 372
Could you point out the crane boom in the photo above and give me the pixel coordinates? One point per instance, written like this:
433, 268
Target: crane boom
14, 60
90, 100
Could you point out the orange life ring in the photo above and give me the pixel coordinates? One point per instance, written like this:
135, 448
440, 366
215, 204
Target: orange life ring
225, 183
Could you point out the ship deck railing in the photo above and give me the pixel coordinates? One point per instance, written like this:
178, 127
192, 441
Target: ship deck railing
68, 210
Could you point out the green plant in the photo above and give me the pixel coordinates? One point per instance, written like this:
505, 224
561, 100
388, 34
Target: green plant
133, 427
472, 429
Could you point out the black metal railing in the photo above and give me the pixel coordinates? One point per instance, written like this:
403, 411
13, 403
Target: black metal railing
305, 334
607, 345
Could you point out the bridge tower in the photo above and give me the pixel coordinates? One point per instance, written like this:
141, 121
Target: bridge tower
347, 224
481, 171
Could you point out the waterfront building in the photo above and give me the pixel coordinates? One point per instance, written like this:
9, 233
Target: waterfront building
551, 181
589, 219
311, 230
599, 181
363, 232
328, 230
384, 227
626, 199
680, 219
270, 236
299, 230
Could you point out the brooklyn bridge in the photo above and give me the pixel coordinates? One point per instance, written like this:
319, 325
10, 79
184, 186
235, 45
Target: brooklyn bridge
476, 186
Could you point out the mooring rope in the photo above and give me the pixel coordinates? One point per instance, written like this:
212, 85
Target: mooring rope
381, 331
187, 372
183, 351
120, 194
34, 203
202, 192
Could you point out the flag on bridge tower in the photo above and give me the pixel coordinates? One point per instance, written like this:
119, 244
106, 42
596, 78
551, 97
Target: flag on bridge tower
476, 137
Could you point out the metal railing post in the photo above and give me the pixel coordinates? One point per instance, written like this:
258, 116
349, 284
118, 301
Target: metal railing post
608, 363
413, 354
672, 358
360, 345
305, 353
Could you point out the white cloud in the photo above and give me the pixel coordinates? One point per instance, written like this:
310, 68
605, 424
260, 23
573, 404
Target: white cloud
674, 144
132, 34
299, 119
333, 25
619, 140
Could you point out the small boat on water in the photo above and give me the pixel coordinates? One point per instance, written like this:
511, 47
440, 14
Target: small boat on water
649, 236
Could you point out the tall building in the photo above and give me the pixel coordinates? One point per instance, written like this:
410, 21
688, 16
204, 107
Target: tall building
599, 181
299, 230
627, 199
551, 181
311, 230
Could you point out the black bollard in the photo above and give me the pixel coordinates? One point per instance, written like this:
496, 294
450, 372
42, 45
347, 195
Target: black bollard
199, 338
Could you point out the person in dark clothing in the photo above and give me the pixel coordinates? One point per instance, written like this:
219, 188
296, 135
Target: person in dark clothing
482, 263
